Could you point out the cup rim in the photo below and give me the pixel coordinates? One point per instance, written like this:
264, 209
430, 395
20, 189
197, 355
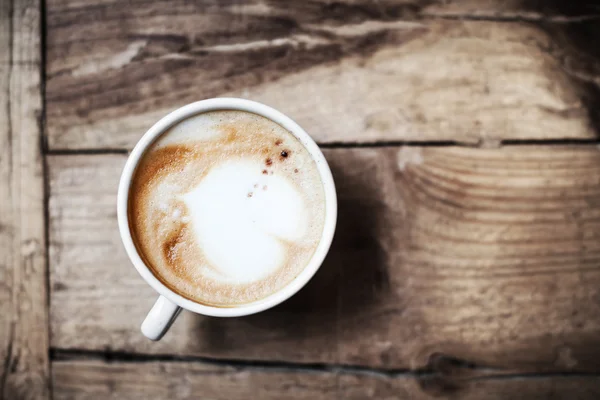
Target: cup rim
234, 104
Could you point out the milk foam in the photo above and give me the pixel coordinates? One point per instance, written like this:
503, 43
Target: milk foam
227, 207
239, 217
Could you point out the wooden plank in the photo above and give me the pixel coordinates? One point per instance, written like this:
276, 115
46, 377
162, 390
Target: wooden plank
347, 72
88, 261
80, 380
168, 380
431, 388
522, 10
487, 255
24, 366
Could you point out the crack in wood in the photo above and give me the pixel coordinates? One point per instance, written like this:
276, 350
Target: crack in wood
511, 17
125, 357
91, 152
438, 365
43, 31
375, 144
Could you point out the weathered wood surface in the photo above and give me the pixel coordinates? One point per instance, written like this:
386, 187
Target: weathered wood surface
167, 380
491, 256
488, 255
82, 380
355, 71
24, 372
522, 10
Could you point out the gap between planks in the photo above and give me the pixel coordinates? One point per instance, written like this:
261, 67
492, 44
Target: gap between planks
349, 145
43, 32
531, 17
475, 372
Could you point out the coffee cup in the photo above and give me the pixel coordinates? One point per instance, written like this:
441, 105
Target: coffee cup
170, 302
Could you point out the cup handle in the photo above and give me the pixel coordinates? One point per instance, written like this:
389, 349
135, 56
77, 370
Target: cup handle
159, 319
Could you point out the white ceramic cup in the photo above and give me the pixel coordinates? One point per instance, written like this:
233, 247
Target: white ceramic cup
169, 303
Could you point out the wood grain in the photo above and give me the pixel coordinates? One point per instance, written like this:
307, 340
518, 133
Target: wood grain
88, 261
487, 255
521, 10
346, 71
80, 380
24, 367
167, 380
490, 388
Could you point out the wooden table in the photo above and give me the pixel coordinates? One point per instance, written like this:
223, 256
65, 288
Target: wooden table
463, 138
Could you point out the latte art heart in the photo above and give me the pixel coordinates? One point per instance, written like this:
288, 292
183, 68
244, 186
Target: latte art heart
227, 208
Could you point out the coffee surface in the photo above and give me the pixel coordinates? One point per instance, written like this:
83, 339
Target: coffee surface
226, 208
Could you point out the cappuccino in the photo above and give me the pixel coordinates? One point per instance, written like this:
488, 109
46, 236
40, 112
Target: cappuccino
226, 208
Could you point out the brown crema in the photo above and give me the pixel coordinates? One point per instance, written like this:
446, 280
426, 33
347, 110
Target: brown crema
176, 164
